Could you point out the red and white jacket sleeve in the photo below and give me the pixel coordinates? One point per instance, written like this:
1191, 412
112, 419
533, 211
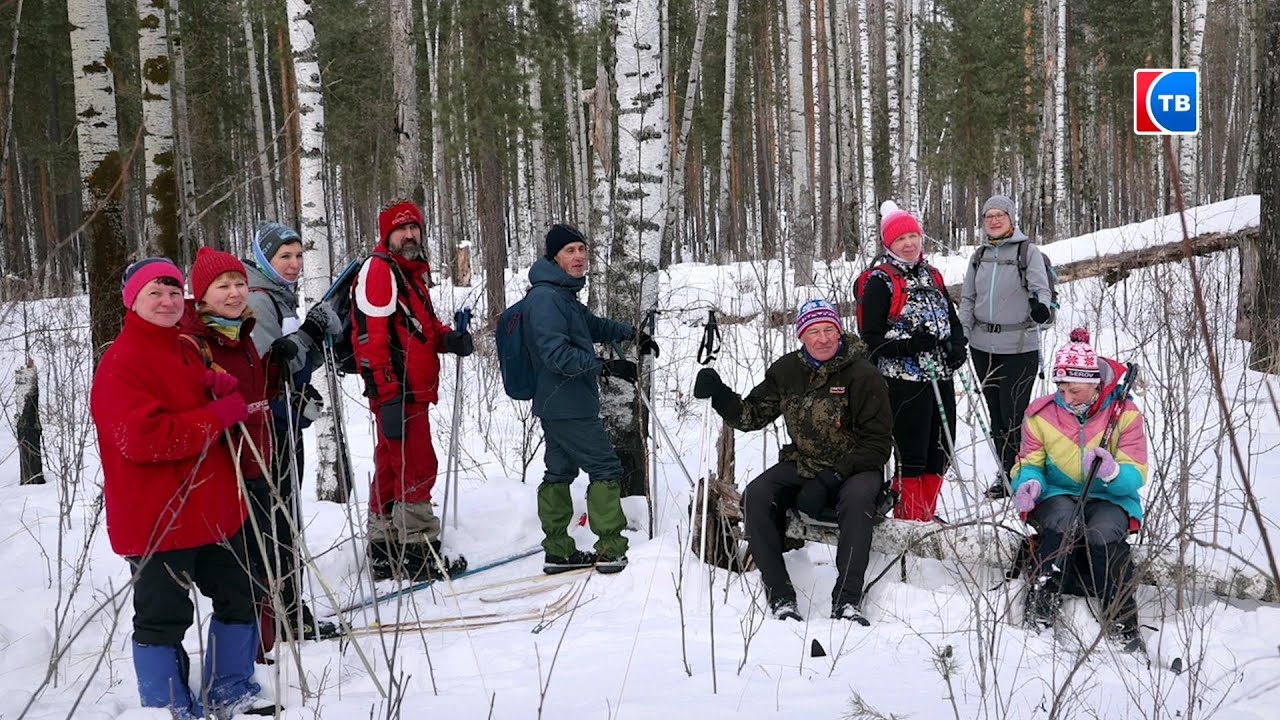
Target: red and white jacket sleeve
375, 307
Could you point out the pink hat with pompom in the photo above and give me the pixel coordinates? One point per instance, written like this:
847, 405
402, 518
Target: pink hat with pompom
896, 222
1076, 361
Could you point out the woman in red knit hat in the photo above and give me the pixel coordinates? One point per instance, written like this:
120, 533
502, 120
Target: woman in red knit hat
219, 322
908, 320
172, 502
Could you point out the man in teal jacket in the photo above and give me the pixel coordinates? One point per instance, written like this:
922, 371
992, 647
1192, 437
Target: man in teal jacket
561, 333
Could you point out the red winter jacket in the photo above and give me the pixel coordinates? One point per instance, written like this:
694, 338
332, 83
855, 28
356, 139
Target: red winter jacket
168, 480
395, 333
259, 382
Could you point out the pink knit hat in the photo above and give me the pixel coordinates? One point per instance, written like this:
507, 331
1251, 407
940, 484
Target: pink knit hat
1076, 361
896, 222
137, 275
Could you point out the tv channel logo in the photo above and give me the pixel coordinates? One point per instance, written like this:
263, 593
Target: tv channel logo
1166, 102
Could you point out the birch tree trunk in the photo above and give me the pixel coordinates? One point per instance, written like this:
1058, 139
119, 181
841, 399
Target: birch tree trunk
538, 221
1051, 134
642, 148
269, 211
333, 480
161, 225
1188, 145
870, 226
578, 150
404, 81
911, 108
802, 230
892, 43
847, 97
190, 228
101, 166
676, 179
1062, 201
724, 223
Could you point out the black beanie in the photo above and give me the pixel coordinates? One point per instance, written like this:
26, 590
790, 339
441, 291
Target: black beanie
559, 235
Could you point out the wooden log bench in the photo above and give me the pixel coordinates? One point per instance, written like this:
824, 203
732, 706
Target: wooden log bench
994, 545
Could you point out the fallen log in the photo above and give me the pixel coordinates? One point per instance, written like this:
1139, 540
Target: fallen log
996, 546
1115, 267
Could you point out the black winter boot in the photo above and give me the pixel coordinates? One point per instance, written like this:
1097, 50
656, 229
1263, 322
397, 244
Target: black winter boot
1044, 599
381, 563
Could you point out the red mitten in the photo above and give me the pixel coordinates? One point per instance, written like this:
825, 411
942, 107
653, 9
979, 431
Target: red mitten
220, 384
230, 409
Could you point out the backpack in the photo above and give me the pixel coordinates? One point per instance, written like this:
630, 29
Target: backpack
339, 297
1024, 251
897, 289
519, 379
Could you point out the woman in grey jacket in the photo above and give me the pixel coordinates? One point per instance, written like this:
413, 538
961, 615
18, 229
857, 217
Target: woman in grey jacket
1003, 308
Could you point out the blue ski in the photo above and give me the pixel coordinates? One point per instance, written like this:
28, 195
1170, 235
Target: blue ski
392, 594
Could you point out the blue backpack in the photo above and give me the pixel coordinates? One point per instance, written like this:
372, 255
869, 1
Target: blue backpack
519, 379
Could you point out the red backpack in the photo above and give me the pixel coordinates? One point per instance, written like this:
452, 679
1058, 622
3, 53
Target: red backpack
897, 288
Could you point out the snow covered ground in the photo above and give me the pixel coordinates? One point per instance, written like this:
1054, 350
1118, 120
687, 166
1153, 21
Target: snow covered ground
666, 638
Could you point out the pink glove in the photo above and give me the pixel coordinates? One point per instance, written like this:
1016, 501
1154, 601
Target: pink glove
230, 409
219, 383
1027, 494
1107, 469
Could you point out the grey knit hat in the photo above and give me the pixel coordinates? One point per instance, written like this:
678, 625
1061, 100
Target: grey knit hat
1002, 203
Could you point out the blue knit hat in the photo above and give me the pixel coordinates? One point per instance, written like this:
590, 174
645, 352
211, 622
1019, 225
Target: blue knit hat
266, 241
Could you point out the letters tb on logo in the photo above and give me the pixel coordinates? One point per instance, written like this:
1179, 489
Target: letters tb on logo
1166, 102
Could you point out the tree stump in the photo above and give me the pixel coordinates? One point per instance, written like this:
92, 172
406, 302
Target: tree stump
26, 387
462, 266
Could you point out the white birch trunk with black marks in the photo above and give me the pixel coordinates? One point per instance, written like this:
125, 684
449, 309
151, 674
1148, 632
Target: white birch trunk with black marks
159, 233
313, 225
537, 222
893, 117
801, 220
182, 131
870, 226
1188, 145
724, 222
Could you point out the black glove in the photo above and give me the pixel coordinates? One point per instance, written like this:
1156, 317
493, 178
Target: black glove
323, 316
392, 416
922, 341
707, 384
620, 368
830, 479
813, 500
958, 355
284, 349
645, 342
459, 342
1039, 311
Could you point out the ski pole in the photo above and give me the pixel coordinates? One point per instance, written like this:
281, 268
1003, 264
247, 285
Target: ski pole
932, 369
461, 319
982, 424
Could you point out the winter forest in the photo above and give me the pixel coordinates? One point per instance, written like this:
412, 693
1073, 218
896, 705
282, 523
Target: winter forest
729, 156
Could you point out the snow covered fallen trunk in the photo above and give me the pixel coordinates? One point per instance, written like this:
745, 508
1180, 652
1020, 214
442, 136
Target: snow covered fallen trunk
996, 545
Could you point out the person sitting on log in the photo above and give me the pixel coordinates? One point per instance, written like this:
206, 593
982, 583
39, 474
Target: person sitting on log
836, 407
1089, 423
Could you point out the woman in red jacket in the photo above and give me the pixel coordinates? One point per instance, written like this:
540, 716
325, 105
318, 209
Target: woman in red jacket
172, 502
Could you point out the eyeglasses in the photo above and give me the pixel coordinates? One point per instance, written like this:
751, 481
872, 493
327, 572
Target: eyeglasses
995, 216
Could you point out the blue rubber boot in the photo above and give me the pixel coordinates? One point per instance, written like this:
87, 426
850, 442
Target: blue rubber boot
229, 688
162, 679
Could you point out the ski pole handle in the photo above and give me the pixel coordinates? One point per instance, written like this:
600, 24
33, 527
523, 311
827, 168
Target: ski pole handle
461, 319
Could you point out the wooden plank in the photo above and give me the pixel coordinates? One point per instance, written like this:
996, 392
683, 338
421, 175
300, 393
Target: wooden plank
997, 545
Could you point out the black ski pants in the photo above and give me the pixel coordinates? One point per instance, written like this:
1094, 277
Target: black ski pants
276, 521
1007, 382
162, 606
917, 425
1098, 564
765, 504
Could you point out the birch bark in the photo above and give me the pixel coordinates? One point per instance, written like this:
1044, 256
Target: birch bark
404, 81
724, 223
801, 220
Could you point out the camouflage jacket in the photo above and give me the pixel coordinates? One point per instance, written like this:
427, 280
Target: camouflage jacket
837, 413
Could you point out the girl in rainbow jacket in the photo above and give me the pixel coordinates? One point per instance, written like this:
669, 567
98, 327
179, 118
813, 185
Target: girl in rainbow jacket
1062, 434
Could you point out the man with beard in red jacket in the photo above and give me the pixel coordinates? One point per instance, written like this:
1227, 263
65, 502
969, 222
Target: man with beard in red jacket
397, 341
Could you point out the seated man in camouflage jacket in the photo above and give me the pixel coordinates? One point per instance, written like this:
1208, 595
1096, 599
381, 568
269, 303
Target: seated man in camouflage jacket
836, 408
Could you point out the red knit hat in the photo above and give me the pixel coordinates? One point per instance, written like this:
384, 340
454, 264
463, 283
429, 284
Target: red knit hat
397, 213
1076, 361
208, 266
896, 222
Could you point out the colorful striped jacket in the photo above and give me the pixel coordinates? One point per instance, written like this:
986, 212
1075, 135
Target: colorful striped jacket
1054, 441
